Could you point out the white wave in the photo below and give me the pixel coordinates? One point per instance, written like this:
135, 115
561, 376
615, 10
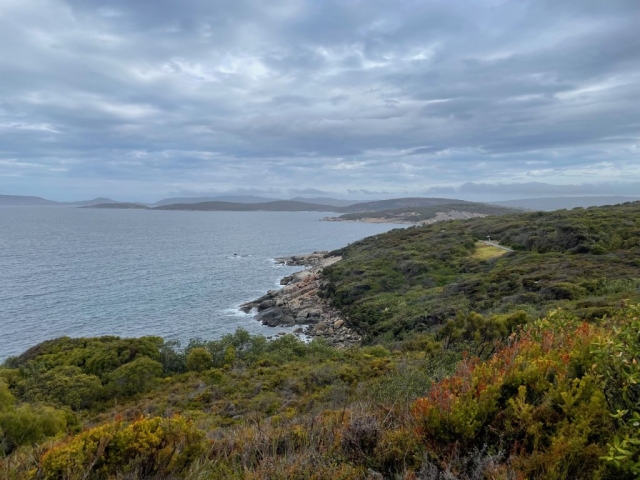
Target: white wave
236, 312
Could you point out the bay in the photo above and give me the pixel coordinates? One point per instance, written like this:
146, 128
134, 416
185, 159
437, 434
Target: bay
180, 275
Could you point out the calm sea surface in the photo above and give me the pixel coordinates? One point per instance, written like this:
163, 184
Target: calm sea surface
87, 272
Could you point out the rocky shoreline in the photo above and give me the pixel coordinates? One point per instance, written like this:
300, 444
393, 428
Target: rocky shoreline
298, 305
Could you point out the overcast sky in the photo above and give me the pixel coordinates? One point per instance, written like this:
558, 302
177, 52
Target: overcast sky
370, 98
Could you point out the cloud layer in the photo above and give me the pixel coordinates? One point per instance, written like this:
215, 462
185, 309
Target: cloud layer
141, 99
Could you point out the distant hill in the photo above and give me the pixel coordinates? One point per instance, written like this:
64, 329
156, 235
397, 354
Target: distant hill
119, 206
220, 198
334, 202
400, 209
557, 203
18, 200
396, 203
95, 201
15, 200
277, 206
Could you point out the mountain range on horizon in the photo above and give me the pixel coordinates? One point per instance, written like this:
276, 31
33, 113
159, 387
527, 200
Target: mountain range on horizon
558, 203
347, 206
25, 200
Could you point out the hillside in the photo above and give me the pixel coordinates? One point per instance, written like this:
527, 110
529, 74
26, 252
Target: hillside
419, 278
480, 362
430, 214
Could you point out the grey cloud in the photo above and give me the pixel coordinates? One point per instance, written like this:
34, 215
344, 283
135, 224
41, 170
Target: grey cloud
294, 95
539, 189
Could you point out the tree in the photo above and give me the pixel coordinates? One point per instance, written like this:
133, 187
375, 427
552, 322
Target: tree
134, 377
199, 359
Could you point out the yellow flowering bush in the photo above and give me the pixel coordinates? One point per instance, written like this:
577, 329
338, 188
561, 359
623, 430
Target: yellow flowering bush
149, 446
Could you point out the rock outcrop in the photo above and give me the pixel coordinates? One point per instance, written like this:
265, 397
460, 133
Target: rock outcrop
297, 304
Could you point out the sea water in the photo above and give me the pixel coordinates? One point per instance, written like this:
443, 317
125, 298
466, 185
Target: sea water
176, 274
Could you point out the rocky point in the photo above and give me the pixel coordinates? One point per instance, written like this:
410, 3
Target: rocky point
298, 305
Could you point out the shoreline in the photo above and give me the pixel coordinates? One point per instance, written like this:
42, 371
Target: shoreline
408, 218
298, 306
394, 221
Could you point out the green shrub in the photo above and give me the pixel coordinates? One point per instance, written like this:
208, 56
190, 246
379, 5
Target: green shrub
199, 359
134, 377
62, 386
29, 424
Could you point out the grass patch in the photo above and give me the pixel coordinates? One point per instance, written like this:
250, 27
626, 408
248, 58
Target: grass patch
487, 252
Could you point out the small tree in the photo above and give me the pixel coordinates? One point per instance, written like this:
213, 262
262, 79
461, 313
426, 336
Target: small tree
135, 377
199, 359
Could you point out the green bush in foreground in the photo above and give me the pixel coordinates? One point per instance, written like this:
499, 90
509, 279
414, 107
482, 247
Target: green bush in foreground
26, 424
558, 399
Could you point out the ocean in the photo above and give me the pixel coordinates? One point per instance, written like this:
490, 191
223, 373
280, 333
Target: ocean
67, 271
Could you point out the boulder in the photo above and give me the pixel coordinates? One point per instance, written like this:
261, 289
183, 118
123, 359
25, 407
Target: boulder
266, 304
270, 316
320, 327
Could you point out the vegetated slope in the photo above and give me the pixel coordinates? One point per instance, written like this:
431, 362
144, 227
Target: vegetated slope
295, 393
418, 279
277, 206
425, 214
558, 399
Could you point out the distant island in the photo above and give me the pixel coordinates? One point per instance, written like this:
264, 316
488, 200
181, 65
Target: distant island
397, 207
119, 205
22, 201
276, 206
398, 210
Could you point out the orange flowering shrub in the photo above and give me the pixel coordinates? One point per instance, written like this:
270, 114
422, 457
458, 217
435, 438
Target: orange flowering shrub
542, 399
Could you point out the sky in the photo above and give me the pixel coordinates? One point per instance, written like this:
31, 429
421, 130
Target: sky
492, 99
